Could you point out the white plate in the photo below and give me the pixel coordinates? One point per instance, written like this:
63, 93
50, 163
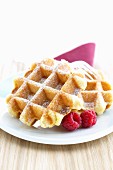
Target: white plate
56, 135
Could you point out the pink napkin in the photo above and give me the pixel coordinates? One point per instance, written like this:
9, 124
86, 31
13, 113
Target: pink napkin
84, 52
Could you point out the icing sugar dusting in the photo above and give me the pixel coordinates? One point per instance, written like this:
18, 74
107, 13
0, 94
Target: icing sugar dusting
88, 70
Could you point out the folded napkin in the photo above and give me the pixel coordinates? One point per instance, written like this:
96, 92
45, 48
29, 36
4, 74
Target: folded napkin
84, 52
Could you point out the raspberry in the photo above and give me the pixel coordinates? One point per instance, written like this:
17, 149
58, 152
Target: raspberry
72, 121
89, 118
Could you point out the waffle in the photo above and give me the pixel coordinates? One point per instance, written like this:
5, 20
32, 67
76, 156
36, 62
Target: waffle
51, 89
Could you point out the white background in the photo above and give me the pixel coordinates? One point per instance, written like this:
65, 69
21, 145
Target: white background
36, 29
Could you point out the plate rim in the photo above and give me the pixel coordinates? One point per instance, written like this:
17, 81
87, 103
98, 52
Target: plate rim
50, 141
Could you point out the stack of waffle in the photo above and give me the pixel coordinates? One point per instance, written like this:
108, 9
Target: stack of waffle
51, 89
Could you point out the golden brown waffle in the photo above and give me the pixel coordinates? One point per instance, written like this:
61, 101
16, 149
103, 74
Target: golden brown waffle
51, 89
97, 96
45, 91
